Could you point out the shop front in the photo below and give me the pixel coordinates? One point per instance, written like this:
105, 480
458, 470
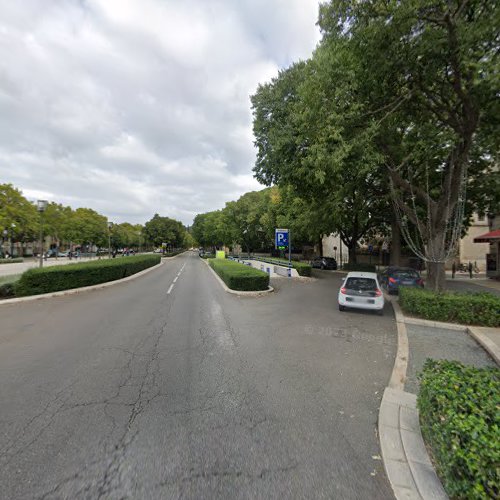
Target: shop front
493, 257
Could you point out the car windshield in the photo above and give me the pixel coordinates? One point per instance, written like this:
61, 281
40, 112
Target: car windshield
406, 274
362, 284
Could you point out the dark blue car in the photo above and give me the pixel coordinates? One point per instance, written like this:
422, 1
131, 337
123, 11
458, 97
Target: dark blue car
394, 277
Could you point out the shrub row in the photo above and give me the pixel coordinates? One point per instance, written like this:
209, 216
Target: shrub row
481, 309
11, 261
460, 422
367, 268
56, 278
303, 268
7, 290
239, 276
172, 254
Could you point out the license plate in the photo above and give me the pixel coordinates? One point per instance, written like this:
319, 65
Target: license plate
370, 301
349, 299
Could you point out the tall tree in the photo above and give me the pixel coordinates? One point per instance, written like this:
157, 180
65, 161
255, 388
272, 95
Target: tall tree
429, 71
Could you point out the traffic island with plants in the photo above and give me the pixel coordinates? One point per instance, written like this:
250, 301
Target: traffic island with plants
57, 278
239, 276
303, 268
460, 422
479, 309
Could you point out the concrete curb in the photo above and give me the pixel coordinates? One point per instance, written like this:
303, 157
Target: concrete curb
398, 375
236, 292
406, 461
478, 334
73, 291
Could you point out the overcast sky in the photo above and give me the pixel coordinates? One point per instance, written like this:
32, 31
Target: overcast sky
133, 107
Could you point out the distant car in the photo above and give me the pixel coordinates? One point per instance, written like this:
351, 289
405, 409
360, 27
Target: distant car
395, 277
53, 253
361, 290
324, 263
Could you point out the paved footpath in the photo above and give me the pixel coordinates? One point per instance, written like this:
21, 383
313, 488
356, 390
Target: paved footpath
167, 387
20, 267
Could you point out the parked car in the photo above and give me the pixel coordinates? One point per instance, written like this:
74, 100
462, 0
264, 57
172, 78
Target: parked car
361, 290
52, 252
324, 263
394, 277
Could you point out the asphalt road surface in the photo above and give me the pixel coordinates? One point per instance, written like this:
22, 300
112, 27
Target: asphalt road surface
167, 387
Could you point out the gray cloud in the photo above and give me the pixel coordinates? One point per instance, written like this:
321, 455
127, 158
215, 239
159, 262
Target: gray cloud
139, 106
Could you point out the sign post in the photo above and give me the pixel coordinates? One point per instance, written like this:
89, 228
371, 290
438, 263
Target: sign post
282, 239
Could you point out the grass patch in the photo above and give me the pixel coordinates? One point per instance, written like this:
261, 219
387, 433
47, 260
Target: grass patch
56, 278
11, 261
481, 309
460, 421
239, 276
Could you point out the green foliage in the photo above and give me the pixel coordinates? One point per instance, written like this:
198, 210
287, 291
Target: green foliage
239, 276
86, 226
126, 235
55, 278
460, 421
17, 214
7, 289
11, 261
368, 268
160, 230
481, 309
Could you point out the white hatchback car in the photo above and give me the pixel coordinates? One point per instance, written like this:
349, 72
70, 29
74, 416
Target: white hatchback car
361, 291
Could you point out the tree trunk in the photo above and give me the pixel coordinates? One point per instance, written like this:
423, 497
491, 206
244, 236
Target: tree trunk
352, 254
436, 277
395, 243
320, 246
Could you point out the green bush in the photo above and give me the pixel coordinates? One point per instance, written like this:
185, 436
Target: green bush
481, 309
460, 421
11, 261
7, 290
55, 278
239, 276
172, 254
367, 268
303, 268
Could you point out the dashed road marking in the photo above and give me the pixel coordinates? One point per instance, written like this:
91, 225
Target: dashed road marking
170, 289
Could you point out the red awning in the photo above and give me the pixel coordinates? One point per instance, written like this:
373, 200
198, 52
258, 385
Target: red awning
488, 237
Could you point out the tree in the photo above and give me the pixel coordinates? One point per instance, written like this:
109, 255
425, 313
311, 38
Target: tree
307, 128
427, 71
17, 214
86, 226
160, 230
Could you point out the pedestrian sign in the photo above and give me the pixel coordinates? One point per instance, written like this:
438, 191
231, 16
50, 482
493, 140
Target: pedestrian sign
281, 239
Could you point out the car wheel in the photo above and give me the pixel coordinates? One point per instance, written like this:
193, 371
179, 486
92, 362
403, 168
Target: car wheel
341, 308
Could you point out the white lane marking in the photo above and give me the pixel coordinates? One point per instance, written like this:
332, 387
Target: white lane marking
175, 279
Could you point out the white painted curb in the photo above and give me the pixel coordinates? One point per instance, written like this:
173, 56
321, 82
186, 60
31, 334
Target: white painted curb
236, 292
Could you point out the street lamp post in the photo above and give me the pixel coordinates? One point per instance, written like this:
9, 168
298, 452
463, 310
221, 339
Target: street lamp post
12, 227
41, 207
110, 225
5, 233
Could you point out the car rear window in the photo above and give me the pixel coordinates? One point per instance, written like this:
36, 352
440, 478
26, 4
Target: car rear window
407, 274
365, 284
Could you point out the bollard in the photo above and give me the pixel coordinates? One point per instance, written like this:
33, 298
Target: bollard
289, 272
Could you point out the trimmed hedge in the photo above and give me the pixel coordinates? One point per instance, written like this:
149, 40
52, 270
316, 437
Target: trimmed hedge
7, 290
239, 276
11, 261
460, 421
172, 254
303, 268
56, 278
367, 268
482, 309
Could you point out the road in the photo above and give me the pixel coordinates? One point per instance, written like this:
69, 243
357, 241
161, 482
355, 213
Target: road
167, 387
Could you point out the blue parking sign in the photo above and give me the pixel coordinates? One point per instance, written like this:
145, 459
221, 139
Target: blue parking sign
281, 238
